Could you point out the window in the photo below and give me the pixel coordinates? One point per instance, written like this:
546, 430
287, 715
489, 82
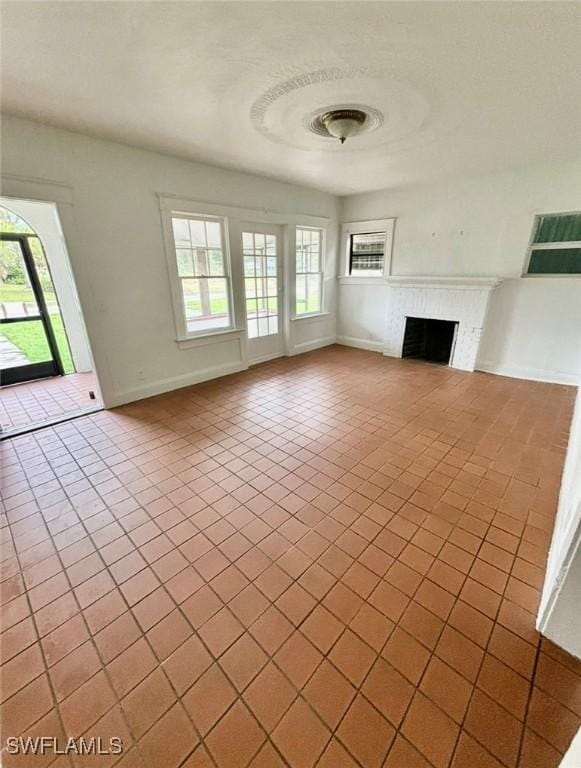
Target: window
556, 245
309, 271
367, 248
202, 269
260, 283
366, 253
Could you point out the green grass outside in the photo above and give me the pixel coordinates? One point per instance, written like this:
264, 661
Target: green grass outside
30, 339
17, 292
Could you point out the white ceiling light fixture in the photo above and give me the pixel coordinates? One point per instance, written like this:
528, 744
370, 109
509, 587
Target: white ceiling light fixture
343, 124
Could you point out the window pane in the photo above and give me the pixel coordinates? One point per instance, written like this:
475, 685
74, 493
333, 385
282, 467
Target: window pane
192, 299
301, 295
366, 253
271, 266
250, 287
555, 261
271, 286
249, 266
252, 329
251, 310
313, 293
181, 233
26, 344
16, 294
197, 233
213, 234
185, 262
247, 242
558, 229
216, 262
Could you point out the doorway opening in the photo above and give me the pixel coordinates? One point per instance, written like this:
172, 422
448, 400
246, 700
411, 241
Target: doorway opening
46, 367
427, 339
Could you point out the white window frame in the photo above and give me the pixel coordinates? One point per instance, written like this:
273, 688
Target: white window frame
183, 334
532, 246
362, 228
323, 240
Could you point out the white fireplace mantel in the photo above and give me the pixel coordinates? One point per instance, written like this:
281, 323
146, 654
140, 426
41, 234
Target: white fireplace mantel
429, 281
460, 299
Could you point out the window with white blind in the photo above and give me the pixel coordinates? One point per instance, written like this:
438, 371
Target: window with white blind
309, 271
555, 247
367, 248
202, 267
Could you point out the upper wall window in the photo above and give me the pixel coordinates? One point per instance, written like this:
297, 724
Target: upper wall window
367, 248
309, 271
203, 273
556, 245
367, 253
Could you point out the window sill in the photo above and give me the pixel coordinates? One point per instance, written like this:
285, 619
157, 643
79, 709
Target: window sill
537, 275
362, 279
310, 316
203, 339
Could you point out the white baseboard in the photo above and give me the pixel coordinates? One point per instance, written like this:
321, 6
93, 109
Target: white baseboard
265, 359
530, 374
369, 344
309, 346
161, 386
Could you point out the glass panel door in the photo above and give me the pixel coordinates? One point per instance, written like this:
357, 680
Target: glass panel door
28, 348
262, 274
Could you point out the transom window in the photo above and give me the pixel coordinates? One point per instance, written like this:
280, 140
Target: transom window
203, 272
366, 253
556, 245
260, 283
309, 271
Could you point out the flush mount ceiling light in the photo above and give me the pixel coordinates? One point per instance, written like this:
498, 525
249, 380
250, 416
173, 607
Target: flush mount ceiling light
344, 122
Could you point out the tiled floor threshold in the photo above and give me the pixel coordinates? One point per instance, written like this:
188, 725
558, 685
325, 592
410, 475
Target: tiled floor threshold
332, 560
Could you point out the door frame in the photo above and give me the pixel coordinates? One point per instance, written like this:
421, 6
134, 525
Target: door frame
54, 366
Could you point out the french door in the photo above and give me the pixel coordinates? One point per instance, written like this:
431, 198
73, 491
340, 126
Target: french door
263, 287
28, 348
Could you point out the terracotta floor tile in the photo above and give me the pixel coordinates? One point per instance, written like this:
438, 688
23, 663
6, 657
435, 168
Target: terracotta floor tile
460, 653
186, 664
403, 754
269, 696
170, 740
536, 753
208, 699
446, 688
432, 732
352, 657
235, 739
365, 733
494, 728
388, 691
422, 624
504, 685
372, 626
322, 628
303, 752
407, 655
329, 693
298, 659
469, 754
332, 564
243, 661
551, 720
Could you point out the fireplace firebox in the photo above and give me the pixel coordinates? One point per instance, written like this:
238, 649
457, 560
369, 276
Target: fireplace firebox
428, 339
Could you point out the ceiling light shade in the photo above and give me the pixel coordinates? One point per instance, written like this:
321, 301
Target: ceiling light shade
343, 124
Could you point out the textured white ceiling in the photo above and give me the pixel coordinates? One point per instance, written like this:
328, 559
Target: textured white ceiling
463, 87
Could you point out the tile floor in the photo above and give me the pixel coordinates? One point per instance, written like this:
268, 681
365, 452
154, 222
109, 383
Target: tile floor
330, 560
35, 402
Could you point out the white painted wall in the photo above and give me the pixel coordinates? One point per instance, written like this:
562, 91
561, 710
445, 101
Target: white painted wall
559, 615
43, 218
480, 226
112, 225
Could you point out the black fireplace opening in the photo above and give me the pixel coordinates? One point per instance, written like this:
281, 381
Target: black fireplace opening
427, 339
